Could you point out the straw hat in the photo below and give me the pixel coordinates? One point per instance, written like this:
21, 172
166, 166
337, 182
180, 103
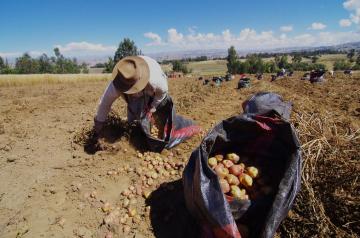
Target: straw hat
131, 74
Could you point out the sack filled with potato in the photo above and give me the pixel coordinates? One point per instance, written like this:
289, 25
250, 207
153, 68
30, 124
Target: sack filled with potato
254, 173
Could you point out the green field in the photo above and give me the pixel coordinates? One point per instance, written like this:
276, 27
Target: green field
207, 68
210, 67
218, 67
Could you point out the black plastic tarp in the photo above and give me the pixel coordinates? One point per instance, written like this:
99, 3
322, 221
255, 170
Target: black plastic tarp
176, 128
269, 142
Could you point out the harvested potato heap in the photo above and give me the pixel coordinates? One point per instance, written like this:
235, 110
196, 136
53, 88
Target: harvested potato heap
155, 170
154, 131
236, 179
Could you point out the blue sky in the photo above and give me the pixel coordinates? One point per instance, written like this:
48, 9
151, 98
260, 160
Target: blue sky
91, 27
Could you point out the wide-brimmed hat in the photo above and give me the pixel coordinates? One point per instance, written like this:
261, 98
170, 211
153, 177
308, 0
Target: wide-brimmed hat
131, 74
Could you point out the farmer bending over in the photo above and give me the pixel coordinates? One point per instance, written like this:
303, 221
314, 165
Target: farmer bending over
140, 81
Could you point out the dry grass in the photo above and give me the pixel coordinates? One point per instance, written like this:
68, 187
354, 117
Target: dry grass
326, 205
32, 79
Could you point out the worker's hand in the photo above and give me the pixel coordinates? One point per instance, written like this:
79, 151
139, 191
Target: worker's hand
101, 144
98, 127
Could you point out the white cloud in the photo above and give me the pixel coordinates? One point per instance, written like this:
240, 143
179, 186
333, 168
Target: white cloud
192, 29
353, 6
286, 28
174, 36
156, 39
85, 47
249, 39
317, 26
345, 23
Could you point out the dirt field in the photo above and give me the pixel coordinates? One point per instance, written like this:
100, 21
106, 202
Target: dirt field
53, 184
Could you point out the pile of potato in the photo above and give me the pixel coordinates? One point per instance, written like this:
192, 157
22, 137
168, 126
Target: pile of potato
156, 127
154, 131
236, 179
154, 171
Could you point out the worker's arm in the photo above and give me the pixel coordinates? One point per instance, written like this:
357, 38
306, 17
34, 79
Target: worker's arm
159, 96
104, 107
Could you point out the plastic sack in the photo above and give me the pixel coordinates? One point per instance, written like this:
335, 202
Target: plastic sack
176, 129
270, 143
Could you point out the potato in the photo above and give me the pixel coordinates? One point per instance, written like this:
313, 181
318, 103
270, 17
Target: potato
133, 201
167, 166
126, 202
233, 157
154, 175
126, 229
132, 212
139, 170
236, 170
246, 180
111, 218
219, 158
227, 163
225, 187
232, 179
146, 194
123, 220
150, 181
106, 207
244, 196
93, 194
236, 192
212, 162
221, 171
109, 235
252, 171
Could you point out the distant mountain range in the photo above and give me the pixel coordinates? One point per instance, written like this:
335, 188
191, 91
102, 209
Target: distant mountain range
216, 53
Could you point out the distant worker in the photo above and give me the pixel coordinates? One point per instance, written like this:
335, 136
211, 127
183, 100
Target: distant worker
348, 72
141, 82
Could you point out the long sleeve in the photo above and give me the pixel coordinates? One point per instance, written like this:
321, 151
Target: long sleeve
158, 97
158, 82
106, 101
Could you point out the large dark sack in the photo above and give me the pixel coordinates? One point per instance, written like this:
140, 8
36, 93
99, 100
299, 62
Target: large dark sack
270, 143
176, 128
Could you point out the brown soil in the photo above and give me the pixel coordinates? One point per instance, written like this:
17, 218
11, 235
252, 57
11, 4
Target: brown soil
51, 166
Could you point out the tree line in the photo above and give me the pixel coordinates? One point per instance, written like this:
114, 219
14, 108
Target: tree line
254, 63
43, 64
186, 60
352, 61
